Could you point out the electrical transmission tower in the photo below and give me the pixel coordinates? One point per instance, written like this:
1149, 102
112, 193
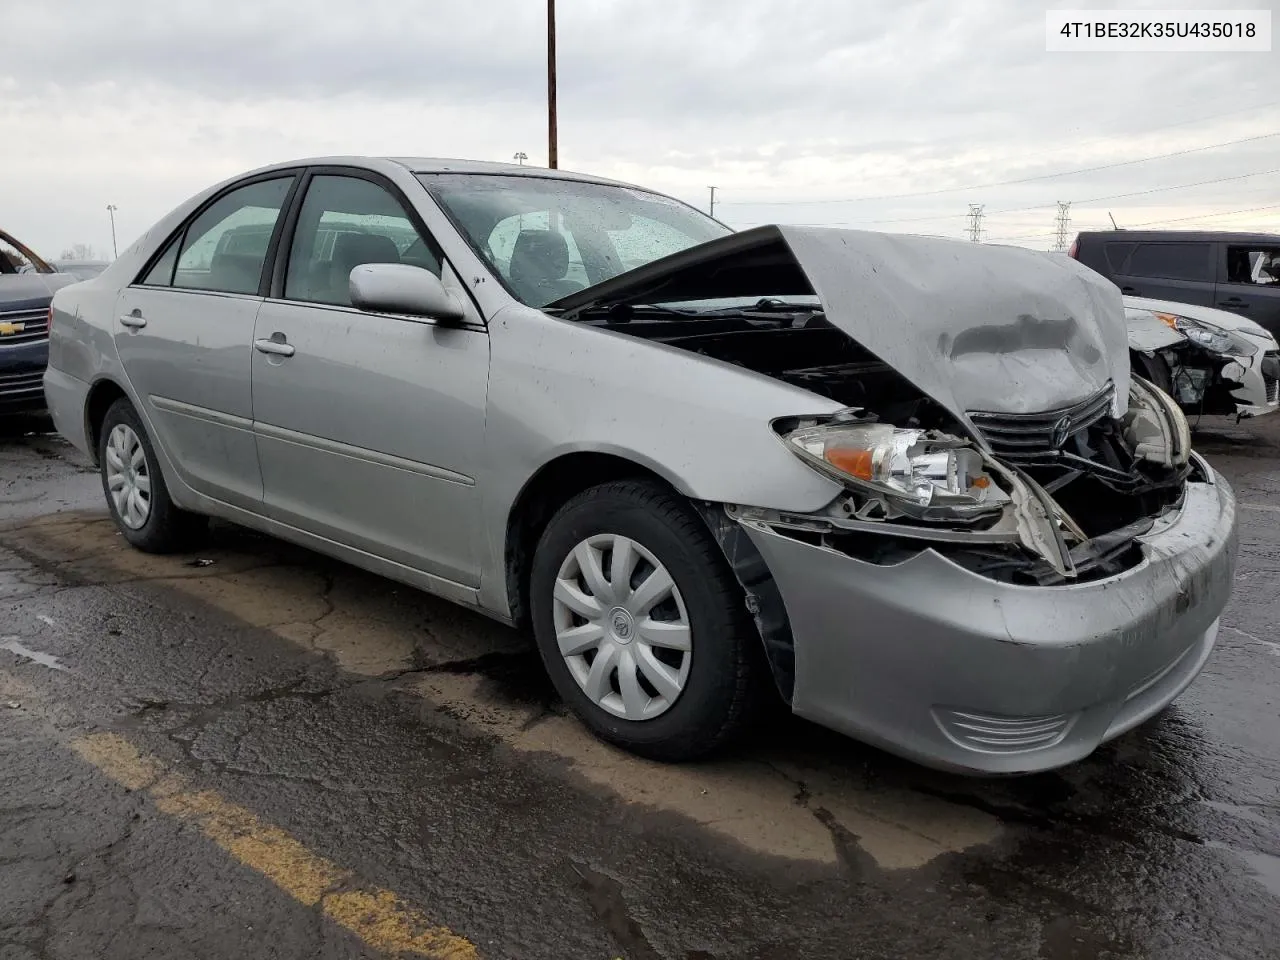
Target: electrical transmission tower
1062, 225
975, 222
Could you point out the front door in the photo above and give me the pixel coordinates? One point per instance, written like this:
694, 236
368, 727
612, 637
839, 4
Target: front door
1249, 282
184, 333
369, 426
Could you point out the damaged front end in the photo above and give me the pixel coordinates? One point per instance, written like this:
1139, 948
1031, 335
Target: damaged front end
1049, 498
989, 411
1213, 363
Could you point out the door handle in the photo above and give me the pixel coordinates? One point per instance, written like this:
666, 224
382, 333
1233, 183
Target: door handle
134, 321
1235, 302
276, 346
1128, 290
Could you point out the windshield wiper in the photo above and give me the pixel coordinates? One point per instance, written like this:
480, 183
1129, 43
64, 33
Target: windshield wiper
775, 304
625, 312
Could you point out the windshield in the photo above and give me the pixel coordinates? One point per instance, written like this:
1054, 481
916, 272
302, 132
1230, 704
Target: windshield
16, 258
548, 238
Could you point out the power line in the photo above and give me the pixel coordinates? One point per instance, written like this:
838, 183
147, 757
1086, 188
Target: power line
1208, 216
1049, 206
1148, 223
1013, 182
1131, 134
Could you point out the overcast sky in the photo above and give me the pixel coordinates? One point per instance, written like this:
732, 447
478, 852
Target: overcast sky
141, 103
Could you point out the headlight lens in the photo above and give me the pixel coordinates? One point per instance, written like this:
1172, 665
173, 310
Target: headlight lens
1206, 335
922, 471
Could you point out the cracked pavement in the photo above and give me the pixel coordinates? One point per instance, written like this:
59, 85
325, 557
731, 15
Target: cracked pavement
349, 726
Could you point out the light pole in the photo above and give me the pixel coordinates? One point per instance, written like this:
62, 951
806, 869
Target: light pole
553, 152
520, 157
111, 212
712, 212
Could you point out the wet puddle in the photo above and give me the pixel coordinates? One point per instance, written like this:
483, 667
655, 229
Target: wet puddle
1263, 867
13, 645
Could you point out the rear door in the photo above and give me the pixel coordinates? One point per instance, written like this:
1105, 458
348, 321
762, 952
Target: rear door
184, 332
1249, 282
1181, 271
369, 425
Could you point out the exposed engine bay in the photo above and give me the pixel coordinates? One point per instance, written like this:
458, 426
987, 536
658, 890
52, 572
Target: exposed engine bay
1209, 384
988, 410
1211, 362
1068, 491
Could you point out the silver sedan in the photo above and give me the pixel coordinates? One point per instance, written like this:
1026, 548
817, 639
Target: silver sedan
909, 486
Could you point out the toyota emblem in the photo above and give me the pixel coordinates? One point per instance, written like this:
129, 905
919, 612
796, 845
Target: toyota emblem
1061, 430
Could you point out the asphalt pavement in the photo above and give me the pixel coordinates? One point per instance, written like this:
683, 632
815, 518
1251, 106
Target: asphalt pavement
254, 751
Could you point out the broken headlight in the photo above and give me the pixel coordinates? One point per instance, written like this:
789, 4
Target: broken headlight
1206, 335
1155, 428
924, 473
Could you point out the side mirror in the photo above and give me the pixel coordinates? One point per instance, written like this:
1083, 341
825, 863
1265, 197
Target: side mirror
403, 288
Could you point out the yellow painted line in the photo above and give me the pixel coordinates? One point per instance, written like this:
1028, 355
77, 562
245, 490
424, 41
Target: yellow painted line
378, 917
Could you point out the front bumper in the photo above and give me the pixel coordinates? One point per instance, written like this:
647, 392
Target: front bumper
1259, 385
21, 376
954, 670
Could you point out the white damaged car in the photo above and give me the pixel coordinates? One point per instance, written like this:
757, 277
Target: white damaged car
1210, 361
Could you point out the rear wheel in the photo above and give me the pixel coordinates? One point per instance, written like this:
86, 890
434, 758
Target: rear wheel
641, 624
136, 493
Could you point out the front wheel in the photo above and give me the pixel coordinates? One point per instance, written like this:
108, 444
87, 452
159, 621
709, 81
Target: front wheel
641, 624
136, 493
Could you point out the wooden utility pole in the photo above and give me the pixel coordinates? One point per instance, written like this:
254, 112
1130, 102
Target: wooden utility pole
553, 152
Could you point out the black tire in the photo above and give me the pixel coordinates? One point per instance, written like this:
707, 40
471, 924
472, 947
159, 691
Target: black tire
168, 528
725, 679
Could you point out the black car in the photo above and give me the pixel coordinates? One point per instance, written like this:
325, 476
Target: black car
1239, 272
27, 284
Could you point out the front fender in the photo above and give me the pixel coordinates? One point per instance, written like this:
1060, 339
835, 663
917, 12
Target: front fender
558, 387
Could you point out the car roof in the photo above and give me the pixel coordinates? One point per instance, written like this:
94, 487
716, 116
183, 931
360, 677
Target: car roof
442, 165
1193, 236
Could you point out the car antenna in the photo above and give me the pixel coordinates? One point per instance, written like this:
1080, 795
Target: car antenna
1114, 226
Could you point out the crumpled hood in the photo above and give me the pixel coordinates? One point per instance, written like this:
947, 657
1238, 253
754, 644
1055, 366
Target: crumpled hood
975, 326
30, 291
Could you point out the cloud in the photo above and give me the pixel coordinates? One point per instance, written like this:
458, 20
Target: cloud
141, 103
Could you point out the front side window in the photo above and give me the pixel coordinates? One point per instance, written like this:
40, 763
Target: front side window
547, 238
1254, 264
345, 222
1171, 261
225, 247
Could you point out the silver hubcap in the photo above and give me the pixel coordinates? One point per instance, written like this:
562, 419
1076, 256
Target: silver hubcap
128, 480
622, 627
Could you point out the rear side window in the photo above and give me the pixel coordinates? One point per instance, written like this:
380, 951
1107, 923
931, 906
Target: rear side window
225, 247
161, 272
1253, 263
1171, 261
